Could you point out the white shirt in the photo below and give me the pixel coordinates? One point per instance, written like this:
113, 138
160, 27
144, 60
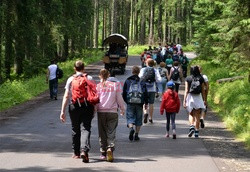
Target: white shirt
52, 71
157, 79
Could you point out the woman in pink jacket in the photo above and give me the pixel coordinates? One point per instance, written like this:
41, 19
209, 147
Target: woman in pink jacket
107, 110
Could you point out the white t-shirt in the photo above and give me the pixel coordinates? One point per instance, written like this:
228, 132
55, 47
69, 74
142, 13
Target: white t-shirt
52, 71
205, 79
151, 87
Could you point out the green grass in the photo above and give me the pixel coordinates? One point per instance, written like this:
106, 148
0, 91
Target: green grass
19, 91
231, 100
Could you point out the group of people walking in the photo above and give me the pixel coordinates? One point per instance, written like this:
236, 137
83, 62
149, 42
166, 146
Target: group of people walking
139, 92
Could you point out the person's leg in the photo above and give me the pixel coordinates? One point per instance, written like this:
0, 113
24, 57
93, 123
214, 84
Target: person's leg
172, 115
130, 115
86, 119
51, 88
112, 122
102, 130
167, 124
151, 106
177, 87
76, 133
138, 121
197, 113
203, 114
55, 89
191, 122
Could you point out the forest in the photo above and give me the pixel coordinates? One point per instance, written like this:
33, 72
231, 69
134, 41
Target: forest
34, 31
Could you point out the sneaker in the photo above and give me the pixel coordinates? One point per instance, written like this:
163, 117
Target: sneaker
55, 98
145, 118
103, 156
76, 156
167, 135
131, 134
137, 138
174, 136
157, 95
202, 123
196, 134
85, 157
191, 131
150, 120
110, 157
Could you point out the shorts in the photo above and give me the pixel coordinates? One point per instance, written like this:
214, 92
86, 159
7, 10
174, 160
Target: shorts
134, 114
151, 97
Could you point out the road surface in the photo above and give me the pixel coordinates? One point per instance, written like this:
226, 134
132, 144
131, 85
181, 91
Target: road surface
37, 141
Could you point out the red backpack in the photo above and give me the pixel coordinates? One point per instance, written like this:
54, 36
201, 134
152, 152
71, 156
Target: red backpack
84, 90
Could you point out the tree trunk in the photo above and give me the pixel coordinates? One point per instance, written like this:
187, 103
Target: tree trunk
143, 29
1, 31
151, 24
9, 39
127, 20
132, 21
160, 24
114, 16
136, 24
96, 21
65, 47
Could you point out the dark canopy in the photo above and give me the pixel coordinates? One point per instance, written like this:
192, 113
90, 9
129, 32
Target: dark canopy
115, 38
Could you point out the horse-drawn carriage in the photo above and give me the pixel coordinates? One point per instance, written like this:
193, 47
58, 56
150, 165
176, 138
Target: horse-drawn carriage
117, 54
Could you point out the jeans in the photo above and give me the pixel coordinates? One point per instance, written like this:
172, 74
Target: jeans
53, 85
162, 85
81, 118
172, 116
134, 114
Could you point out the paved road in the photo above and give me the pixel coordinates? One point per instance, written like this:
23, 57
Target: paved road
38, 141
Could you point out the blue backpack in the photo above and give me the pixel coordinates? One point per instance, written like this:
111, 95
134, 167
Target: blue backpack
134, 93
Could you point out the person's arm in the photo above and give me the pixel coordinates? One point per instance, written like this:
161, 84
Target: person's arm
163, 102
185, 94
64, 104
124, 91
203, 93
181, 74
207, 89
170, 73
120, 101
47, 75
157, 76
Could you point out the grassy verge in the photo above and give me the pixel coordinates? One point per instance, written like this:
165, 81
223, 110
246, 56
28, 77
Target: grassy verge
231, 100
16, 92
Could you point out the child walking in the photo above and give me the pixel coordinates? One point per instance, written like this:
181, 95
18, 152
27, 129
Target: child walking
107, 111
171, 104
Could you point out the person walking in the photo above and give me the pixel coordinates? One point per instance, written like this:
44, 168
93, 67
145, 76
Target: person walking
150, 76
194, 99
107, 111
164, 78
184, 64
171, 104
176, 75
204, 111
135, 95
81, 112
52, 79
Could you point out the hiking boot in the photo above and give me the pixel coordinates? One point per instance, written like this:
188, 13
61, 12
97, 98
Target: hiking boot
174, 136
196, 134
131, 134
191, 131
150, 120
137, 138
110, 157
202, 123
145, 118
85, 157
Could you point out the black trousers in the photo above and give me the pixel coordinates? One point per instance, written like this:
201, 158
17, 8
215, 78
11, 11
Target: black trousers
81, 118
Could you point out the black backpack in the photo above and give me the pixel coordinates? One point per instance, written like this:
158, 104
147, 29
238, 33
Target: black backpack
135, 93
195, 86
149, 75
59, 73
176, 74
